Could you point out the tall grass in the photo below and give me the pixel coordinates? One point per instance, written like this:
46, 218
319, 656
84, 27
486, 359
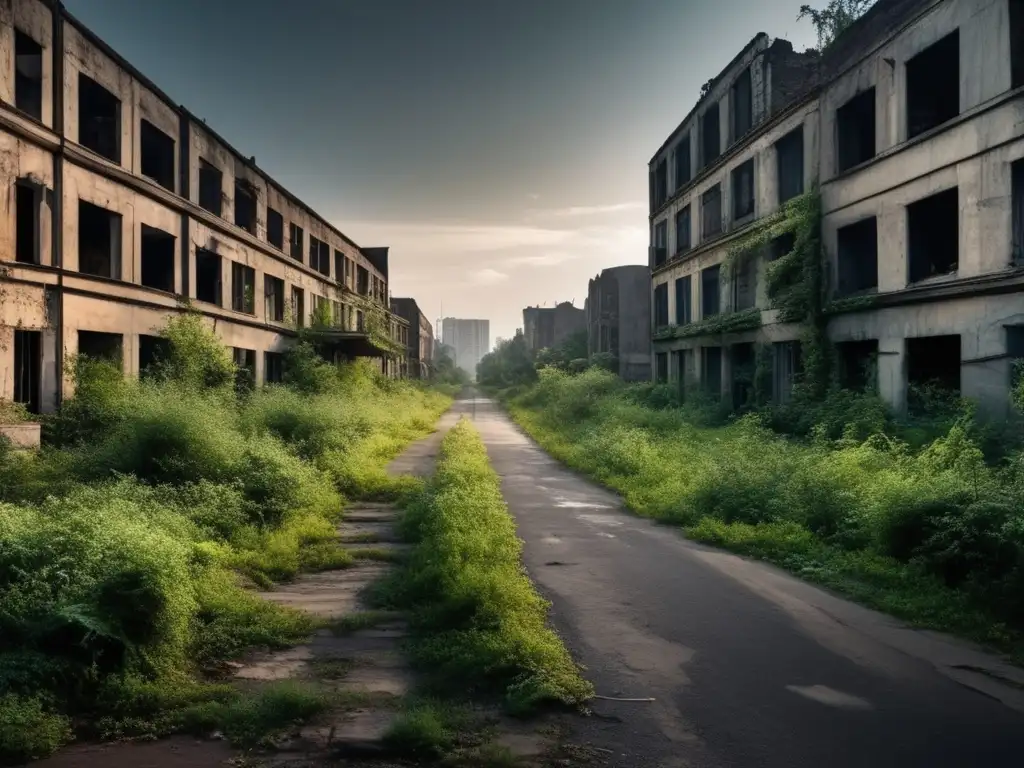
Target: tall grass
935, 535
126, 543
476, 615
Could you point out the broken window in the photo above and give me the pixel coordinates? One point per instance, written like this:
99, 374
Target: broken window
855, 131
101, 346
157, 151
245, 368
743, 190
786, 363
273, 287
99, 241
295, 235
275, 228
711, 140
208, 277
857, 256
933, 226
660, 246
742, 359
858, 364
28, 75
1016, 43
711, 212
790, 153
1017, 204
99, 119
245, 205
742, 105
26, 222
709, 291
933, 370
320, 256
243, 288
684, 297
933, 85
661, 367
157, 256
711, 370
683, 230
744, 284
273, 367
211, 188
298, 306
661, 305
781, 246
153, 351
682, 159
28, 366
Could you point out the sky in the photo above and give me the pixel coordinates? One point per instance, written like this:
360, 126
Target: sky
499, 147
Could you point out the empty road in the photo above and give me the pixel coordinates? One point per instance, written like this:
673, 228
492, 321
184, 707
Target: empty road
747, 666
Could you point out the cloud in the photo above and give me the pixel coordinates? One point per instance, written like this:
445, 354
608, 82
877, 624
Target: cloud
488, 276
549, 258
589, 210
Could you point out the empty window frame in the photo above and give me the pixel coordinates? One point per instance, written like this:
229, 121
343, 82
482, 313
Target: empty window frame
362, 281
157, 154
789, 151
28, 366
933, 230
855, 131
153, 351
857, 257
275, 228
28, 75
157, 257
744, 284
660, 184
26, 222
661, 305
295, 236
742, 366
933, 369
1016, 43
245, 368
684, 370
99, 241
711, 212
273, 367
661, 367
99, 119
211, 188
743, 190
245, 205
660, 246
781, 246
710, 298
711, 370
208, 277
298, 306
273, 289
786, 366
711, 135
858, 364
1015, 352
684, 300
101, 346
1017, 218
933, 85
742, 105
339, 267
682, 161
320, 256
243, 288
683, 218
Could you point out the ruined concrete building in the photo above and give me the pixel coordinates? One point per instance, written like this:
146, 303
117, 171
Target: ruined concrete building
469, 341
123, 208
618, 310
910, 126
420, 347
547, 327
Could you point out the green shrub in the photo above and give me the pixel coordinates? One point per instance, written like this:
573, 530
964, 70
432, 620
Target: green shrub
28, 731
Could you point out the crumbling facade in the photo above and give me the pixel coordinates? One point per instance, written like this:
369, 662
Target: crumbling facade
547, 327
618, 311
123, 210
420, 346
911, 133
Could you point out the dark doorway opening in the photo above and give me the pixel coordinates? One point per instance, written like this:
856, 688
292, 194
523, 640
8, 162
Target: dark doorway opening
28, 366
933, 368
858, 364
743, 364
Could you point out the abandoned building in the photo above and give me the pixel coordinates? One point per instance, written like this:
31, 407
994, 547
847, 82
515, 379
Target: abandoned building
468, 342
618, 310
909, 127
123, 209
547, 327
420, 345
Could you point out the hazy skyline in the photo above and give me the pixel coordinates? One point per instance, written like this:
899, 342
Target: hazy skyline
499, 149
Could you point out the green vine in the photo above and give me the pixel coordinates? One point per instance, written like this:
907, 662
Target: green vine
730, 322
850, 304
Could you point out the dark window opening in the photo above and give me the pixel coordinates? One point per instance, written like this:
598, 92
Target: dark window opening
709, 291
711, 370
744, 284
790, 152
99, 119
275, 228
362, 281
153, 351
295, 235
208, 277
661, 305
684, 370
1015, 352
786, 366
211, 188
858, 364
933, 226
660, 243
684, 298
661, 367
781, 246
711, 212
28, 367
1016, 43
933, 85
1017, 204
101, 346
742, 359
339, 267
711, 140
273, 287
933, 370
660, 184
320, 256
99, 241
245, 205
855, 130
742, 105
26, 223
743, 190
157, 255
857, 256
243, 288
683, 161
28, 75
157, 150
683, 230
273, 367
245, 368
298, 306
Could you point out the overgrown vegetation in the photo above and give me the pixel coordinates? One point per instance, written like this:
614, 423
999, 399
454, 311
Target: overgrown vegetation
830, 22
474, 612
126, 543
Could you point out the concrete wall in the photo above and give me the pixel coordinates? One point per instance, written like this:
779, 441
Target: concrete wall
630, 316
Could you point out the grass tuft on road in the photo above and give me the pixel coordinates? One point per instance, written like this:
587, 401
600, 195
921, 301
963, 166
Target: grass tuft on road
477, 621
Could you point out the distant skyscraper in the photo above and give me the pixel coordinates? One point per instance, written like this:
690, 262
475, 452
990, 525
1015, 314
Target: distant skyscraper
471, 340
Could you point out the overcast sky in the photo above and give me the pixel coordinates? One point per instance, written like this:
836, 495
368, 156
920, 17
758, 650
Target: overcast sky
499, 147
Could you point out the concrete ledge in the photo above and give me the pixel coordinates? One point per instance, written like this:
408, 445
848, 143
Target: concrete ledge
23, 436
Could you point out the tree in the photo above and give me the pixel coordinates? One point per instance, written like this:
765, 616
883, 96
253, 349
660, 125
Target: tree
830, 21
445, 370
508, 365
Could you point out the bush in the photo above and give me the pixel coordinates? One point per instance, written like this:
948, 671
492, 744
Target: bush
27, 730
